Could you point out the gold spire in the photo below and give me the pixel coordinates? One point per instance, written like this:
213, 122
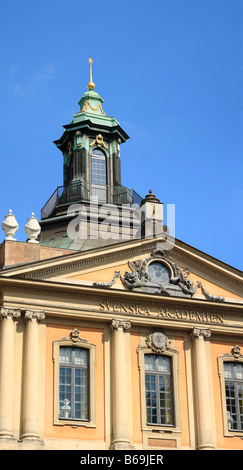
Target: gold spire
90, 85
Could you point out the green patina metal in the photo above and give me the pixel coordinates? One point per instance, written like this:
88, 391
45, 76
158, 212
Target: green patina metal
92, 118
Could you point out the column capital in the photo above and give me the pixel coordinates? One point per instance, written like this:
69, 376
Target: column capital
34, 315
124, 324
201, 332
6, 312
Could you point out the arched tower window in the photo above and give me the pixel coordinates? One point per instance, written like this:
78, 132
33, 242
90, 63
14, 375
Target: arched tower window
98, 175
98, 167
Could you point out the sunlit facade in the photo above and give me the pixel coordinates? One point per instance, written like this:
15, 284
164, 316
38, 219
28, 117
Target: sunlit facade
110, 342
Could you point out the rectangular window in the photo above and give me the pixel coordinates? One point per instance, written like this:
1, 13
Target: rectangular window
74, 383
158, 390
233, 374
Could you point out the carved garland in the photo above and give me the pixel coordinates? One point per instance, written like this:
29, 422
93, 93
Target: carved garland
87, 103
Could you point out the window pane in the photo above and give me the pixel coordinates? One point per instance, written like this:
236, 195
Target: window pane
164, 364
66, 355
158, 272
240, 392
230, 403
239, 371
150, 362
65, 409
229, 369
165, 400
81, 356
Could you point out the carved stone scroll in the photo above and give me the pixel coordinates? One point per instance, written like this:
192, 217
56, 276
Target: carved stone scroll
178, 285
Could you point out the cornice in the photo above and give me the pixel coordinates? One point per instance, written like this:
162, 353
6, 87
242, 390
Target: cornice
68, 262
115, 295
208, 266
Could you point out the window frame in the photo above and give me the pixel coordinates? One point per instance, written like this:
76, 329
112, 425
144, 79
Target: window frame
154, 430
100, 156
157, 374
73, 367
165, 265
75, 342
234, 357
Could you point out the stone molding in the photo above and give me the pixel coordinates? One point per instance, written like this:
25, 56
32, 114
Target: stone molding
178, 284
157, 342
180, 252
234, 356
74, 340
10, 313
116, 324
201, 332
34, 315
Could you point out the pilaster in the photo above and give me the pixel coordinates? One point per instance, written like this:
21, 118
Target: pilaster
120, 391
31, 377
7, 370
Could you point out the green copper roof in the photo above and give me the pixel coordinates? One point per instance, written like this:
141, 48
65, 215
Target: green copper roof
91, 108
92, 116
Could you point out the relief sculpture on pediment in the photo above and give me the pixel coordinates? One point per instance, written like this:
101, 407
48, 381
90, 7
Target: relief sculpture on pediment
158, 274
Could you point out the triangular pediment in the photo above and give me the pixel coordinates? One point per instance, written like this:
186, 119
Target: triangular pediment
124, 266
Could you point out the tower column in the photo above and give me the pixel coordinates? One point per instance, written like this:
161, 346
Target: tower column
31, 379
7, 370
119, 383
204, 421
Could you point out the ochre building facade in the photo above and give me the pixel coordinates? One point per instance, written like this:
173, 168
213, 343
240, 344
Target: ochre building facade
134, 344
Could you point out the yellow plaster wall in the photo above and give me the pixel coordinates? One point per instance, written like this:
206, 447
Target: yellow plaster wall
219, 348
136, 397
183, 392
102, 275
106, 275
95, 336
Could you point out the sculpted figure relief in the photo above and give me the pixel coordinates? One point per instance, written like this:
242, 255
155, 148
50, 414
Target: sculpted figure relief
167, 278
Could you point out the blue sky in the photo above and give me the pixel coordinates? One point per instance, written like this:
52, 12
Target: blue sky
169, 71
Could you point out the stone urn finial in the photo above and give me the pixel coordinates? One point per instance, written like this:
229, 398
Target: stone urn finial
10, 226
32, 229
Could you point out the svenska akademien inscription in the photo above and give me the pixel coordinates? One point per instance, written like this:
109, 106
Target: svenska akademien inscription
117, 307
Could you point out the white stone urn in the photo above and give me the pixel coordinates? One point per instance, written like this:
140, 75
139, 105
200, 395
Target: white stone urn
32, 229
10, 226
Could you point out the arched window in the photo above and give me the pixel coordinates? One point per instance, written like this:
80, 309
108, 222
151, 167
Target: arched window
158, 361
98, 176
233, 374
98, 167
74, 383
158, 389
231, 381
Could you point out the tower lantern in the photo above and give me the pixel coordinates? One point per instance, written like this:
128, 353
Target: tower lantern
90, 146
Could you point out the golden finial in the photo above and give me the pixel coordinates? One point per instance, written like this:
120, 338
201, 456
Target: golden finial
90, 85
